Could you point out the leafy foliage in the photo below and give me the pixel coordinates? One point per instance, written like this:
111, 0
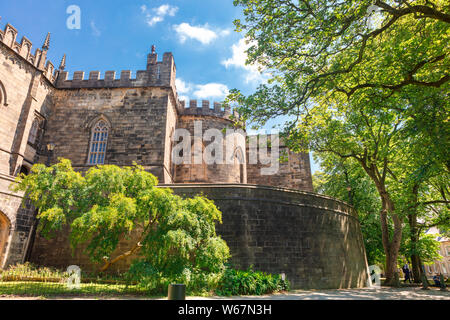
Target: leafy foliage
318, 47
426, 247
110, 203
345, 180
250, 282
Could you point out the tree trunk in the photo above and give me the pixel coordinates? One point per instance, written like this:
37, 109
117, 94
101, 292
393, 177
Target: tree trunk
391, 247
415, 259
416, 268
414, 238
108, 263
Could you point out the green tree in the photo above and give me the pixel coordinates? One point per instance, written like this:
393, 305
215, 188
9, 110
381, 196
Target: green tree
320, 46
345, 180
110, 203
352, 87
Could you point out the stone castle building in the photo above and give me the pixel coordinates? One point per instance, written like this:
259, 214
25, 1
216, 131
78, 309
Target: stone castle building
272, 222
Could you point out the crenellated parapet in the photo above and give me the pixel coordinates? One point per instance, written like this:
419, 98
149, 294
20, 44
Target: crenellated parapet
158, 73
206, 109
23, 48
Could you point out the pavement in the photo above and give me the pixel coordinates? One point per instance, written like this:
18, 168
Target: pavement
382, 293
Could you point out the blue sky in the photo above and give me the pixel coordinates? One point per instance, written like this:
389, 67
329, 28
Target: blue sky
117, 35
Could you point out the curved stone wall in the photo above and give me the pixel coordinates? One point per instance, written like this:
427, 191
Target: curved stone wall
315, 240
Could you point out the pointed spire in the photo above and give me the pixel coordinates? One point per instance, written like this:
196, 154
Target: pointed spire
62, 65
46, 44
153, 49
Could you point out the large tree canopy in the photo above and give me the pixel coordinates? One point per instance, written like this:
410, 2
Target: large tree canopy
326, 46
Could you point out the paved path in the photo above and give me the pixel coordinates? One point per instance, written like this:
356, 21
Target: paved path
384, 293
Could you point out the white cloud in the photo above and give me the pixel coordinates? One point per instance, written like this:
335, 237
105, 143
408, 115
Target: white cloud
166, 9
201, 91
156, 15
203, 34
211, 90
182, 87
186, 31
238, 60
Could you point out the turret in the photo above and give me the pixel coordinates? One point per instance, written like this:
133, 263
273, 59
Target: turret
39, 60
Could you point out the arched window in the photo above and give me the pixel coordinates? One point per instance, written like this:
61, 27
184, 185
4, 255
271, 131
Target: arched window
3, 100
4, 233
99, 139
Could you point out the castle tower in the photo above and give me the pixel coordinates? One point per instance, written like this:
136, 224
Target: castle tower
211, 160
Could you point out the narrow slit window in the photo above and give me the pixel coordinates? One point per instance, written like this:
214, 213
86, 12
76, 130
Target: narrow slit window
158, 72
97, 150
33, 131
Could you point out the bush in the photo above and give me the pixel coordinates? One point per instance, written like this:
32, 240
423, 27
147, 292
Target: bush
30, 271
249, 282
198, 282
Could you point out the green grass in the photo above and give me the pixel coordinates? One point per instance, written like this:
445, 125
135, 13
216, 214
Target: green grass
29, 288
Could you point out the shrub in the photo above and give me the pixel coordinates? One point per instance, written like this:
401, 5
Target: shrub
249, 282
198, 282
30, 271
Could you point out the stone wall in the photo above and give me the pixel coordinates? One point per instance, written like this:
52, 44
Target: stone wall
294, 171
315, 240
158, 74
136, 117
19, 224
25, 95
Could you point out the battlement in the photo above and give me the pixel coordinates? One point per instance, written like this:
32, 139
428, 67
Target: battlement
8, 37
158, 73
204, 109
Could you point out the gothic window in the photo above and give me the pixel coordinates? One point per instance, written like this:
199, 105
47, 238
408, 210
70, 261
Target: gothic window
99, 139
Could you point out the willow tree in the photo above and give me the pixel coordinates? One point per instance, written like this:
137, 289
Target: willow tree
110, 203
351, 75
